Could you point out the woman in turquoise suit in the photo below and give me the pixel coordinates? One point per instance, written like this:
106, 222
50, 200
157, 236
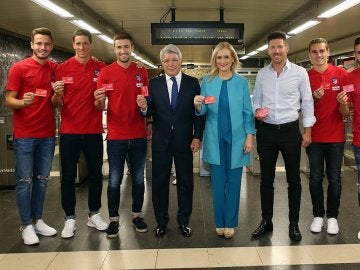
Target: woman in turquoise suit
229, 133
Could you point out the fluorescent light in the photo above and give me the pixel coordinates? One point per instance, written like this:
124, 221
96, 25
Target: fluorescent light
252, 53
339, 8
262, 48
244, 57
53, 8
84, 25
106, 38
303, 27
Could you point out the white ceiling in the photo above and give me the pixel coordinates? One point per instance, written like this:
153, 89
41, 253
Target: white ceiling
135, 16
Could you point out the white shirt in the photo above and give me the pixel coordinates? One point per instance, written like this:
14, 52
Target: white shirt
284, 95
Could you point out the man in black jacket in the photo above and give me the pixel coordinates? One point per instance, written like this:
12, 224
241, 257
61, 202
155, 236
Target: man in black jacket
176, 135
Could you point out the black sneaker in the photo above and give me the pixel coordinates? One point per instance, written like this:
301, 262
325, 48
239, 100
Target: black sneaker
139, 224
113, 230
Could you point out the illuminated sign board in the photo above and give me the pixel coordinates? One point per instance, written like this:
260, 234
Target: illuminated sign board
197, 33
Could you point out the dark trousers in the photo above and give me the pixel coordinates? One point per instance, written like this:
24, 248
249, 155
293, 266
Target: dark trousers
332, 154
161, 168
70, 147
270, 140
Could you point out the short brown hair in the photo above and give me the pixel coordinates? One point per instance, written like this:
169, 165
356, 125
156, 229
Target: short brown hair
317, 41
82, 32
124, 35
41, 31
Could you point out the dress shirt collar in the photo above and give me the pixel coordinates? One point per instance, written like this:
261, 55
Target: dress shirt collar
287, 65
178, 77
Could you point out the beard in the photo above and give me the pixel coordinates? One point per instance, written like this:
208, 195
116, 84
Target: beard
125, 60
42, 56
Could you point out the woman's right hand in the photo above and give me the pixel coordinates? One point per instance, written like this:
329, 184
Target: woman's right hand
198, 100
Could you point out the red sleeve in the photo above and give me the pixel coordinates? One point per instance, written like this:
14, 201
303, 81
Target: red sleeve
14, 82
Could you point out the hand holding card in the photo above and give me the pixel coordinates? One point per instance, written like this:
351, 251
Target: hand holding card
348, 88
144, 91
41, 92
67, 80
209, 100
262, 112
108, 86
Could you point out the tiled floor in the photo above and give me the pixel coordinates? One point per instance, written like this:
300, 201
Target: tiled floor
90, 249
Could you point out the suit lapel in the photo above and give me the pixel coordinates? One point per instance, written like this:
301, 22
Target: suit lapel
165, 93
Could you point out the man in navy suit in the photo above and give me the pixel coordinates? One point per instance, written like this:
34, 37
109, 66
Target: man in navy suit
176, 135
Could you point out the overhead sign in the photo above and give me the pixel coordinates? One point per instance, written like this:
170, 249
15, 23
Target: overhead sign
197, 33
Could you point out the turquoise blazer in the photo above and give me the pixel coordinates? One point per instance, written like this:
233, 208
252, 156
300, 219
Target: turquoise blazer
242, 119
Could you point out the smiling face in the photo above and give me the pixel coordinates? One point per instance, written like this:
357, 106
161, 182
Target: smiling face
42, 46
82, 47
319, 55
123, 49
171, 63
224, 60
278, 50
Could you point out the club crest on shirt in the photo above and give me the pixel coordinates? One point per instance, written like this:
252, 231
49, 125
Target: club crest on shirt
96, 75
334, 80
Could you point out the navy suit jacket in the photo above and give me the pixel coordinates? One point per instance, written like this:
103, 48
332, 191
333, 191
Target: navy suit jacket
180, 126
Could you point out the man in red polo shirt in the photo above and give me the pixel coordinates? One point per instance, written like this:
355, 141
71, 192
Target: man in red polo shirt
327, 135
29, 93
121, 82
80, 130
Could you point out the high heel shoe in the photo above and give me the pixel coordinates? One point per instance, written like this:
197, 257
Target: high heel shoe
229, 233
220, 231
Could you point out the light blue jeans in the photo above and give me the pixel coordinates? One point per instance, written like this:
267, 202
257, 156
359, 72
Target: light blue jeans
33, 164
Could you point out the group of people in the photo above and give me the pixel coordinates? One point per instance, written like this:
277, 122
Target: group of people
181, 112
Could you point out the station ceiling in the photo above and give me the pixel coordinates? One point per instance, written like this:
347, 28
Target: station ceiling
135, 16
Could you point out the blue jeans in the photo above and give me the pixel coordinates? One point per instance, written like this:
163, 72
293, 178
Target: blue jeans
117, 151
332, 154
70, 147
33, 164
357, 159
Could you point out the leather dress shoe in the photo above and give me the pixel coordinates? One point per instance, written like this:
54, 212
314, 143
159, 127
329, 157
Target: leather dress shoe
294, 232
160, 230
264, 227
185, 230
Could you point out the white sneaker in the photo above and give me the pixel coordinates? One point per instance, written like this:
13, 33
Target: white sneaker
359, 235
69, 228
332, 226
28, 235
317, 224
96, 221
42, 228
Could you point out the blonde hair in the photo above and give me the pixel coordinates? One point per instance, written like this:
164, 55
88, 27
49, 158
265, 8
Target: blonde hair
223, 45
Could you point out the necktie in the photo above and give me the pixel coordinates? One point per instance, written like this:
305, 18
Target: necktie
174, 93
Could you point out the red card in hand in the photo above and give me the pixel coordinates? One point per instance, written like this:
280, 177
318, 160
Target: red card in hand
326, 86
108, 86
144, 91
348, 88
41, 92
67, 80
263, 112
209, 100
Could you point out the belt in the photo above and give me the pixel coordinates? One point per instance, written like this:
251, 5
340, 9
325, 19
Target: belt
280, 126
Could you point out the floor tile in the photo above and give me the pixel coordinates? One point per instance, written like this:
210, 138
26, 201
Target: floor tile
230, 257
284, 255
334, 254
89, 260
182, 258
130, 259
37, 261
